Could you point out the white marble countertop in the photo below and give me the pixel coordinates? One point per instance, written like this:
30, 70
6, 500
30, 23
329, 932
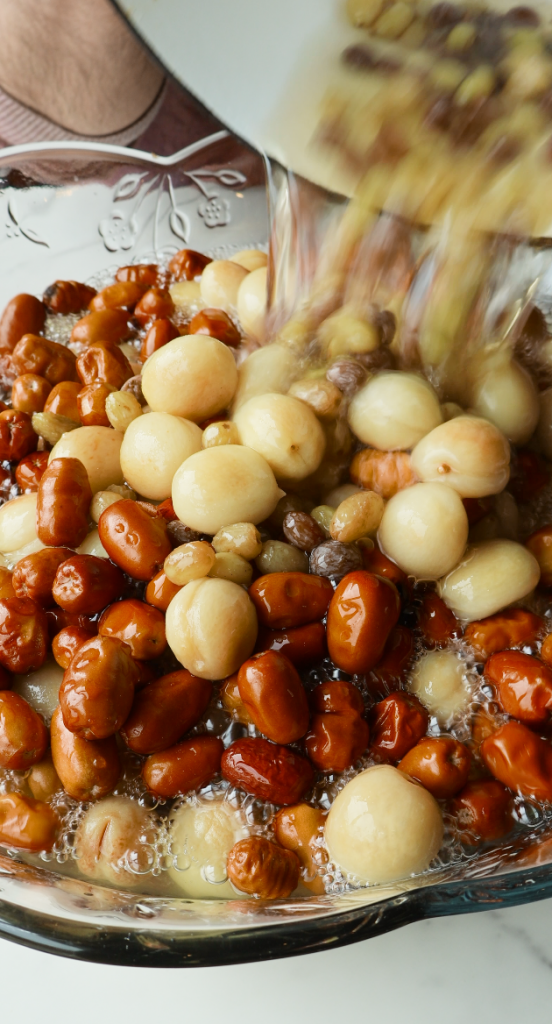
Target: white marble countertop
493, 967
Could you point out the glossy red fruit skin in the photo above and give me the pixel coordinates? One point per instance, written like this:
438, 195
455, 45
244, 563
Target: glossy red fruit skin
164, 710
337, 697
186, 766
512, 628
267, 770
135, 538
86, 583
273, 694
363, 611
334, 742
23, 635
397, 724
286, 599
523, 685
436, 621
440, 763
520, 760
303, 645
484, 809
397, 656
217, 324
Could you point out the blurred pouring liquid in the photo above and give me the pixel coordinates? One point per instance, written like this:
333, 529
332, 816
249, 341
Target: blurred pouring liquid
436, 121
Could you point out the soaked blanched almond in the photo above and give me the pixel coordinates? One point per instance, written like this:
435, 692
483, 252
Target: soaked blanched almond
251, 303
107, 842
18, 523
357, 516
92, 545
439, 681
222, 432
424, 529
491, 576
276, 556
101, 501
467, 453
211, 627
202, 836
193, 376
41, 688
153, 448
220, 283
283, 430
251, 259
186, 296
345, 333
98, 448
383, 826
121, 408
229, 566
223, 485
189, 562
271, 368
507, 396
394, 411
322, 396
239, 539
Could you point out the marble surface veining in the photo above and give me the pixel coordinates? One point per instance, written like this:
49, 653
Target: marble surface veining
488, 968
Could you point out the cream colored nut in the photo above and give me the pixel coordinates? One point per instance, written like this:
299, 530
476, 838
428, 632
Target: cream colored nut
357, 516
251, 303
271, 368
107, 843
383, 826
322, 396
18, 523
238, 539
477, 86
193, 376
98, 448
123, 490
544, 428
220, 282
189, 562
41, 688
338, 494
276, 556
186, 296
92, 545
466, 453
10, 560
439, 681
424, 530
52, 427
394, 21
507, 396
220, 486
450, 410
491, 576
461, 37
324, 515
153, 448
343, 332
223, 432
394, 411
228, 566
446, 75
202, 836
363, 12
285, 432
251, 259
531, 76
211, 627
101, 501
121, 409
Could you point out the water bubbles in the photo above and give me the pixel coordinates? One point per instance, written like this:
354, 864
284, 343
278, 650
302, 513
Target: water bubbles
527, 813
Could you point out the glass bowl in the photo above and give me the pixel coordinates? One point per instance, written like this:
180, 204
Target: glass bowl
74, 211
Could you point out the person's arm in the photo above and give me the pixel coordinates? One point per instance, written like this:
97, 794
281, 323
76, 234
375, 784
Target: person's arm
77, 63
